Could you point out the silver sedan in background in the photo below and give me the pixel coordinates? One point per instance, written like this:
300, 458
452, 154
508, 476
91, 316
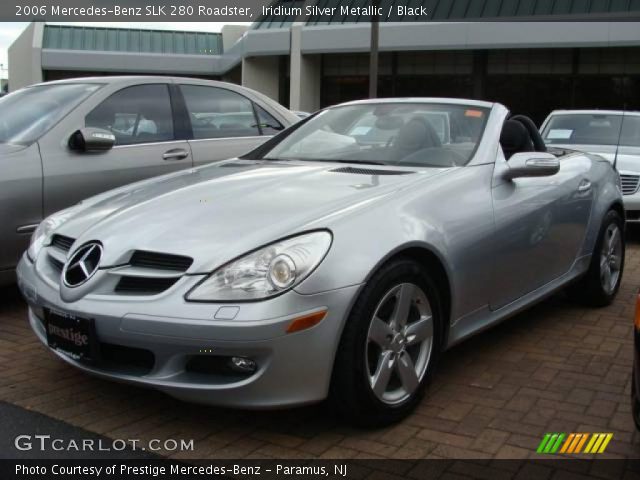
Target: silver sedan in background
338, 259
64, 141
612, 134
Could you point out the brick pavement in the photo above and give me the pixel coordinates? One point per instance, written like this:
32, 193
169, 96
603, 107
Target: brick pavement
557, 367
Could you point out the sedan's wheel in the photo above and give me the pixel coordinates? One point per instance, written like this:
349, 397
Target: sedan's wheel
389, 346
600, 284
611, 258
399, 343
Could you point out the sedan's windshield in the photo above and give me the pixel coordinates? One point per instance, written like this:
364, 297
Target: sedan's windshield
28, 113
593, 129
403, 134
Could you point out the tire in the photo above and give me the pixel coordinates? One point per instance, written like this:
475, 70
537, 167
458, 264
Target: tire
367, 345
593, 289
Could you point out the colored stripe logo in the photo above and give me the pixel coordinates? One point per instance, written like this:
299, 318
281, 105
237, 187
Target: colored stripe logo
573, 443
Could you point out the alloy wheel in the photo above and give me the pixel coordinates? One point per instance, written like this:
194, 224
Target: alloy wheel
611, 258
399, 343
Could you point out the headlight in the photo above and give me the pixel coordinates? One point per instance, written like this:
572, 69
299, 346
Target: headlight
265, 272
48, 225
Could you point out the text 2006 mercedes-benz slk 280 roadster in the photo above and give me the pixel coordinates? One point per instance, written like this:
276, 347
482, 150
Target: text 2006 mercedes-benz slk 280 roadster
336, 260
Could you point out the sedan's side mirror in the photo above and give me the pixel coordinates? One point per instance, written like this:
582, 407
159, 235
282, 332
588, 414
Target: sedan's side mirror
90, 139
531, 164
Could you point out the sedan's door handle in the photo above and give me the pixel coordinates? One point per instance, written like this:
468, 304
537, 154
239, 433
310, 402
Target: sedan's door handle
585, 186
175, 154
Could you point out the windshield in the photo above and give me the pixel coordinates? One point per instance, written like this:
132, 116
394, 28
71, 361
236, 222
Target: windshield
593, 129
402, 134
27, 114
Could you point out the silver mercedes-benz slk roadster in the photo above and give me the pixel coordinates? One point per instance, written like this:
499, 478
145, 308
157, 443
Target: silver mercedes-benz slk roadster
337, 260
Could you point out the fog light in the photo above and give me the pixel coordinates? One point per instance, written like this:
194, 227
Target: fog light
242, 364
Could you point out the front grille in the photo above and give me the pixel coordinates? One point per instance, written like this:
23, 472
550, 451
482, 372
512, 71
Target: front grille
144, 285
160, 261
369, 171
61, 242
629, 183
55, 263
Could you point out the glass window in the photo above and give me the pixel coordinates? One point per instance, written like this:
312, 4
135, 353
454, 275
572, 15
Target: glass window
219, 113
593, 129
403, 134
27, 114
268, 124
139, 114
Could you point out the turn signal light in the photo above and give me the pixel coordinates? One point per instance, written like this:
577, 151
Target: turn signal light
637, 319
306, 321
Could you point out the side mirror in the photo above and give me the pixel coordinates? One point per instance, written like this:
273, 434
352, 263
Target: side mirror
91, 140
531, 164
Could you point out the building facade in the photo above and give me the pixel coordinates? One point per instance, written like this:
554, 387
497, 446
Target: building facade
531, 55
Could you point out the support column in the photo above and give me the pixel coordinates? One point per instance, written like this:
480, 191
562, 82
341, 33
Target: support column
305, 75
261, 74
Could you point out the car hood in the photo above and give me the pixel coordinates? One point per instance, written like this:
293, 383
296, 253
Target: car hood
628, 159
217, 212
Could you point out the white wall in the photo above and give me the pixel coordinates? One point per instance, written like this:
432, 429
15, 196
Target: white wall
231, 34
25, 56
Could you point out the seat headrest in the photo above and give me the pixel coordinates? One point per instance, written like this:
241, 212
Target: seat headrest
514, 138
534, 133
416, 134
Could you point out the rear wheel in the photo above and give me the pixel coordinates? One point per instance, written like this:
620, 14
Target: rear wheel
600, 284
389, 346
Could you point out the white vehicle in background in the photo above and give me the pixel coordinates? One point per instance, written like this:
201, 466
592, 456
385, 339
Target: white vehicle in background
612, 134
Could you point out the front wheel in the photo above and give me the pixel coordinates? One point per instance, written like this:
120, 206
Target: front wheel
600, 284
389, 346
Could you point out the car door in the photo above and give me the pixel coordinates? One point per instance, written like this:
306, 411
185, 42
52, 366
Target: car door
224, 123
540, 225
148, 143
20, 201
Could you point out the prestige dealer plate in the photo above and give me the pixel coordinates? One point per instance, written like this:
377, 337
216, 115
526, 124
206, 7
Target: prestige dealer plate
71, 335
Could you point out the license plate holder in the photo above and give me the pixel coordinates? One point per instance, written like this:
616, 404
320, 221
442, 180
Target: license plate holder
71, 335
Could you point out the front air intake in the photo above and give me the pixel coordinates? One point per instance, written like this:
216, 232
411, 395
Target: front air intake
144, 285
61, 242
160, 261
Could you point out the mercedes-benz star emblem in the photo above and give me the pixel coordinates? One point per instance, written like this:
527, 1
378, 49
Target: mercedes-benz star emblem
82, 265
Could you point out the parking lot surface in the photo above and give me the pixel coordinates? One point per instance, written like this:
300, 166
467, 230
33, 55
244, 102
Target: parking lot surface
558, 367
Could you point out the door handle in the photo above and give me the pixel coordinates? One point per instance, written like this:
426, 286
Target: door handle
584, 186
175, 154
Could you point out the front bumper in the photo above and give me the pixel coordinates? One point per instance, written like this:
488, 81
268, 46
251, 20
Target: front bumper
292, 369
